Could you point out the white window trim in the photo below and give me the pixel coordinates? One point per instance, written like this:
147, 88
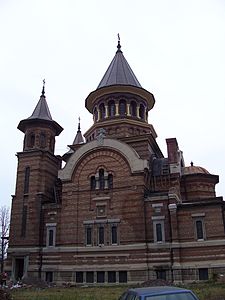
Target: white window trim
86, 227
203, 228
159, 221
50, 226
117, 234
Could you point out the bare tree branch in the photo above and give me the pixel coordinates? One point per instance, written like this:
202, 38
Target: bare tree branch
4, 232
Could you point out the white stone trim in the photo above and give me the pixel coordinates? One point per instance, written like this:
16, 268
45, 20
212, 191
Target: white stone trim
135, 162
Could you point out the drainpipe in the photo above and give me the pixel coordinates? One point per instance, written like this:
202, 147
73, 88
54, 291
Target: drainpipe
41, 234
146, 236
171, 240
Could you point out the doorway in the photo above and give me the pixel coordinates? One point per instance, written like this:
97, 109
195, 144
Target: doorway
19, 268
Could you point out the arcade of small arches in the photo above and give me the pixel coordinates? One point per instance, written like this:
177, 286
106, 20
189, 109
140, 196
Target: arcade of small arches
40, 139
120, 108
101, 180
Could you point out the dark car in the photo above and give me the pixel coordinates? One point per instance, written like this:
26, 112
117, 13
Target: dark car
158, 293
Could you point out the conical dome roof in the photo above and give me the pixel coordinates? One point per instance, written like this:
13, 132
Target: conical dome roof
41, 113
119, 78
119, 72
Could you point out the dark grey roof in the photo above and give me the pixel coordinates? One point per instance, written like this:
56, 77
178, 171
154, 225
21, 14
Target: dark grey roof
41, 110
40, 113
78, 138
119, 72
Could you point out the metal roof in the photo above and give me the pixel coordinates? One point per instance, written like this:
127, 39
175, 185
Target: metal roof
41, 110
119, 72
40, 113
78, 138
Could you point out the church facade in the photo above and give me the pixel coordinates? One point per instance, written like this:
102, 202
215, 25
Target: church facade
118, 211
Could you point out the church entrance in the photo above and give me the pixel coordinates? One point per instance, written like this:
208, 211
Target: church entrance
19, 268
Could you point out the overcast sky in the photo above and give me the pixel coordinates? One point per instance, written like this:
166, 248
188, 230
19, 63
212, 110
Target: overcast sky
176, 49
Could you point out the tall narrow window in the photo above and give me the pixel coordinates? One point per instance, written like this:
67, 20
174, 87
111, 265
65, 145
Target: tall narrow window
101, 235
24, 221
52, 143
158, 232
88, 236
26, 180
95, 114
199, 230
142, 111
42, 140
133, 108
50, 235
110, 181
158, 229
101, 179
93, 183
112, 109
102, 111
114, 234
31, 140
122, 108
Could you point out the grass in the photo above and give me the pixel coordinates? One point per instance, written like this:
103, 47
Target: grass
206, 291
86, 293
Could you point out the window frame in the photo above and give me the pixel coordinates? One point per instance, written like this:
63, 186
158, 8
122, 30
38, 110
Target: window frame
101, 235
50, 228
159, 220
203, 236
90, 230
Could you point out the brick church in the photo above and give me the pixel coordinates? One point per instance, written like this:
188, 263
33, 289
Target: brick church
117, 211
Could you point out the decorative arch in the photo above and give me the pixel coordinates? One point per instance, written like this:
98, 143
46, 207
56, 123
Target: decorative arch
112, 108
134, 161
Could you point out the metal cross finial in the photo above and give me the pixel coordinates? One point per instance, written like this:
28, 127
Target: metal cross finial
118, 46
78, 123
43, 89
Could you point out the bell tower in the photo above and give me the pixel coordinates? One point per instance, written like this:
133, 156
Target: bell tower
121, 106
36, 177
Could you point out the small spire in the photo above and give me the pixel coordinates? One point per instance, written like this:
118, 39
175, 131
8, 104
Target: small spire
78, 124
118, 45
43, 88
192, 163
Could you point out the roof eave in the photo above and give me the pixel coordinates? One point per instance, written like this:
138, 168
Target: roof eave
33, 121
93, 96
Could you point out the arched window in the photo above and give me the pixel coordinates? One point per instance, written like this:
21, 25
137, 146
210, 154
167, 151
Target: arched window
95, 115
26, 180
142, 111
31, 140
112, 108
101, 179
102, 111
93, 183
42, 140
110, 181
52, 143
122, 108
133, 108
